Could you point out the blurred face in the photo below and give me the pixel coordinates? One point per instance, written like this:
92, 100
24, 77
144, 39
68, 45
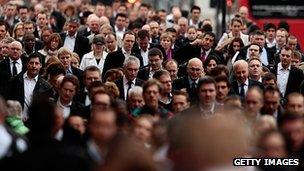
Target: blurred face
91, 76
155, 62
5, 49
236, 46
101, 101
65, 59
172, 69
33, 67
72, 28
154, 28
236, 28
243, 12
10, 10
183, 26
103, 126
131, 71
98, 48
28, 28
167, 83
253, 102
255, 68
54, 44
100, 10
143, 129
23, 14
45, 35
195, 70
295, 62
19, 32
77, 123
295, 105
294, 132
195, 14
120, 22
270, 34
222, 90
143, 11
42, 20
281, 37
15, 50
75, 62
179, 103
292, 43
192, 34
207, 93
173, 35
274, 146
285, 57
269, 83
128, 42
241, 73
207, 42
67, 92
212, 64
29, 41
151, 95
94, 25
135, 101
254, 51
111, 42
271, 102
166, 43
143, 43
2, 31
259, 39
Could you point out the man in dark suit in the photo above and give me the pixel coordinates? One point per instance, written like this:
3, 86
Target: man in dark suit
26, 85
242, 82
155, 57
129, 80
142, 47
201, 48
190, 81
117, 58
288, 77
267, 54
11, 66
73, 41
65, 57
207, 105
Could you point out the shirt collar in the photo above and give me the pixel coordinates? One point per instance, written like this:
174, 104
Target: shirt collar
280, 67
246, 83
18, 61
124, 51
116, 29
126, 81
72, 37
25, 76
61, 105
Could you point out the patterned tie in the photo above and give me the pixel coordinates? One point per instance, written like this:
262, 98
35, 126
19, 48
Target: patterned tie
203, 56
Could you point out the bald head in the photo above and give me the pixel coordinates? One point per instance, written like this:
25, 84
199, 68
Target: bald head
241, 70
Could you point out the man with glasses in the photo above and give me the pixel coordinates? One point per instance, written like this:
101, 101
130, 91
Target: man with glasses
195, 71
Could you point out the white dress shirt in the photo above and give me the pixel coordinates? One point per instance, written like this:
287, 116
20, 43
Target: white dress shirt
89, 60
246, 85
126, 86
69, 42
282, 75
144, 55
119, 33
271, 44
66, 110
18, 65
29, 86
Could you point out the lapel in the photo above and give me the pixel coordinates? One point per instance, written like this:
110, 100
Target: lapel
77, 39
235, 87
8, 67
38, 84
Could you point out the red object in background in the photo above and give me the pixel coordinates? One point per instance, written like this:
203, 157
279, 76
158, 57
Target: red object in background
296, 22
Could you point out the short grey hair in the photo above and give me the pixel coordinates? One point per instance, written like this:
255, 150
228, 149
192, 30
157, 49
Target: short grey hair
131, 59
240, 62
136, 90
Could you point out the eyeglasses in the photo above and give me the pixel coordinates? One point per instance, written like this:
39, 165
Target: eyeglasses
195, 69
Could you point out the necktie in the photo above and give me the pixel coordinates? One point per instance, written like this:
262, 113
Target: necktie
193, 87
203, 56
242, 92
130, 86
14, 68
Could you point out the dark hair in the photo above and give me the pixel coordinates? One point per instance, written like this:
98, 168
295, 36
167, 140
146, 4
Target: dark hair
289, 117
221, 78
182, 93
146, 5
53, 36
207, 61
209, 33
22, 7
236, 19
155, 52
171, 29
120, 15
95, 84
269, 76
141, 34
152, 82
91, 68
230, 47
194, 7
287, 48
5, 24
259, 33
55, 69
260, 48
218, 70
160, 73
206, 80
35, 55
72, 79
283, 24
128, 32
272, 89
269, 26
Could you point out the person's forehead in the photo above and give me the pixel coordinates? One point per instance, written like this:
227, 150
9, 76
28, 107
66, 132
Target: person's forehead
254, 62
254, 47
207, 86
16, 44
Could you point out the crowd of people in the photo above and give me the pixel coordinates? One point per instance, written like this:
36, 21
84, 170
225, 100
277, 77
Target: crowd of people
122, 86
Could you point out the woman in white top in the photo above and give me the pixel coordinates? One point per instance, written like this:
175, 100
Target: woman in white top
97, 56
235, 32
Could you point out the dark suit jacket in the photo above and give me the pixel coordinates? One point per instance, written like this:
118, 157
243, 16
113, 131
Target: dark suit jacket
294, 80
143, 73
81, 44
119, 84
16, 88
195, 110
187, 52
6, 74
235, 88
183, 83
84, 32
115, 60
79, 74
